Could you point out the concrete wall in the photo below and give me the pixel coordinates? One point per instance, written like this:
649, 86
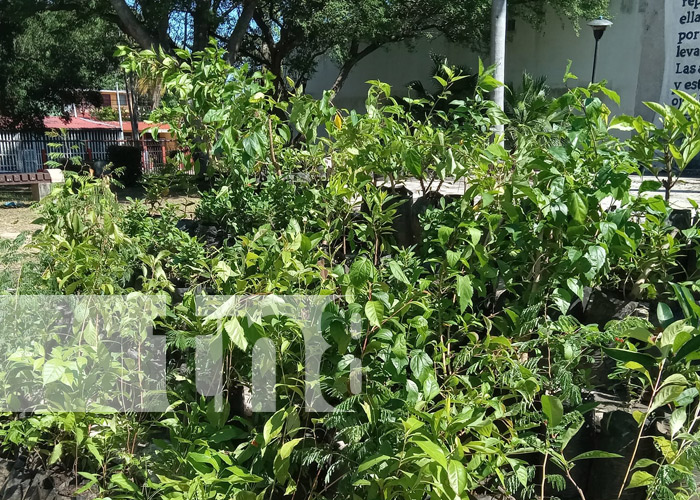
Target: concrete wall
630, 57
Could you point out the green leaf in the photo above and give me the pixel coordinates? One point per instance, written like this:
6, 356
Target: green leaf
281, 462
664, 313
640, 478
340, 336
56, 453
286, 449
649, 186
690, 347
656, 108
687, 397
431, 388
465, 292
421, 365
273, 426
236, 334
562, 299
611, 94
569, 434
414, 162
624, 123
95, 453
626, 356
686, 301
202, 458
677, 421
595, 454
521, 475
433, 450
398, 273
667, 339
121, 481
53, 371
227, 434
643, 463
639, 333
457, 476
575, 286
368, 464
374, 311
410, 425
444, 234
361, 272
553, 410
672, 387
596, 255
578, 207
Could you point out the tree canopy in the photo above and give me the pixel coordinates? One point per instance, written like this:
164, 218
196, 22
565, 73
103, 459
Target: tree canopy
49, 60
288, 37
285, 37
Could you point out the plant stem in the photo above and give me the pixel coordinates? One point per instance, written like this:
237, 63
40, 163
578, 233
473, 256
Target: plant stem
580, 491
544, 474
655, 389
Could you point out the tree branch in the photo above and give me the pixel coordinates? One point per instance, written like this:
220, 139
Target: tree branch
133, 27
264, 29
236, 38
354, 58
255, 57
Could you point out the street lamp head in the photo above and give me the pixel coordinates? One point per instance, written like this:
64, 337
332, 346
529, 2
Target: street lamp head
599, 26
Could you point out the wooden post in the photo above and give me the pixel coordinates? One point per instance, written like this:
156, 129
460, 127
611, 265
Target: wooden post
144, 155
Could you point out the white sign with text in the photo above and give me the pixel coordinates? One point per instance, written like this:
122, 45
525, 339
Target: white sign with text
682, 69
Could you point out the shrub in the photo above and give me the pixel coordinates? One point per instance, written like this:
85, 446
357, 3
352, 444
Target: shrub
476, 372
107, 114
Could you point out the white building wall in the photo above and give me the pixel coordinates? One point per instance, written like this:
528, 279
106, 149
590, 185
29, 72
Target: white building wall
634, 41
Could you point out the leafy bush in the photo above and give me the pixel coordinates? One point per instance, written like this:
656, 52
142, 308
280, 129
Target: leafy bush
477, 374
107, 113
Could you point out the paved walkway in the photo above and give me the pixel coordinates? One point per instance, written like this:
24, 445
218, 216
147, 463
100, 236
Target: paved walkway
684, 189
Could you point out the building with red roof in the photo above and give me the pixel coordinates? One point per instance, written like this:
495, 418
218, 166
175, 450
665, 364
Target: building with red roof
84, 136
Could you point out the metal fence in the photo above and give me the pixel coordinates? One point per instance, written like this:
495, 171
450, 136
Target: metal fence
27, 155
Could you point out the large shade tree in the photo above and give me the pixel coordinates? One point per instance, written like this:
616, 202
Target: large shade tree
49, 60
289, 37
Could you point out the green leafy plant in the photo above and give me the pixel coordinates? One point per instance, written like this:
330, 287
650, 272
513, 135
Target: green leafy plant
663, 364
668, 149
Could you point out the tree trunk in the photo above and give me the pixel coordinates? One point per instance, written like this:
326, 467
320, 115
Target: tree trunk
133, 106
355, 57
201, 25
133, 27
498, 50
236, 38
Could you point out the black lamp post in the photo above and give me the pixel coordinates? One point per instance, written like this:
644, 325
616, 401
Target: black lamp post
599, 26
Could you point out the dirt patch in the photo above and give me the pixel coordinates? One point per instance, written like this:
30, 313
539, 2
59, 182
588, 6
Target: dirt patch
14, 221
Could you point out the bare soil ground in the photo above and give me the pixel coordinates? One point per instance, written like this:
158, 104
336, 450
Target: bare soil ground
14, 221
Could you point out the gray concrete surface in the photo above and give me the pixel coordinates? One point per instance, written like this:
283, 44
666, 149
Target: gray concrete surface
685, 189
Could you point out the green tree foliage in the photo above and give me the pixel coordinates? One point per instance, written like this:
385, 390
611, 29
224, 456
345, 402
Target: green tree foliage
288, 37
50, 59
